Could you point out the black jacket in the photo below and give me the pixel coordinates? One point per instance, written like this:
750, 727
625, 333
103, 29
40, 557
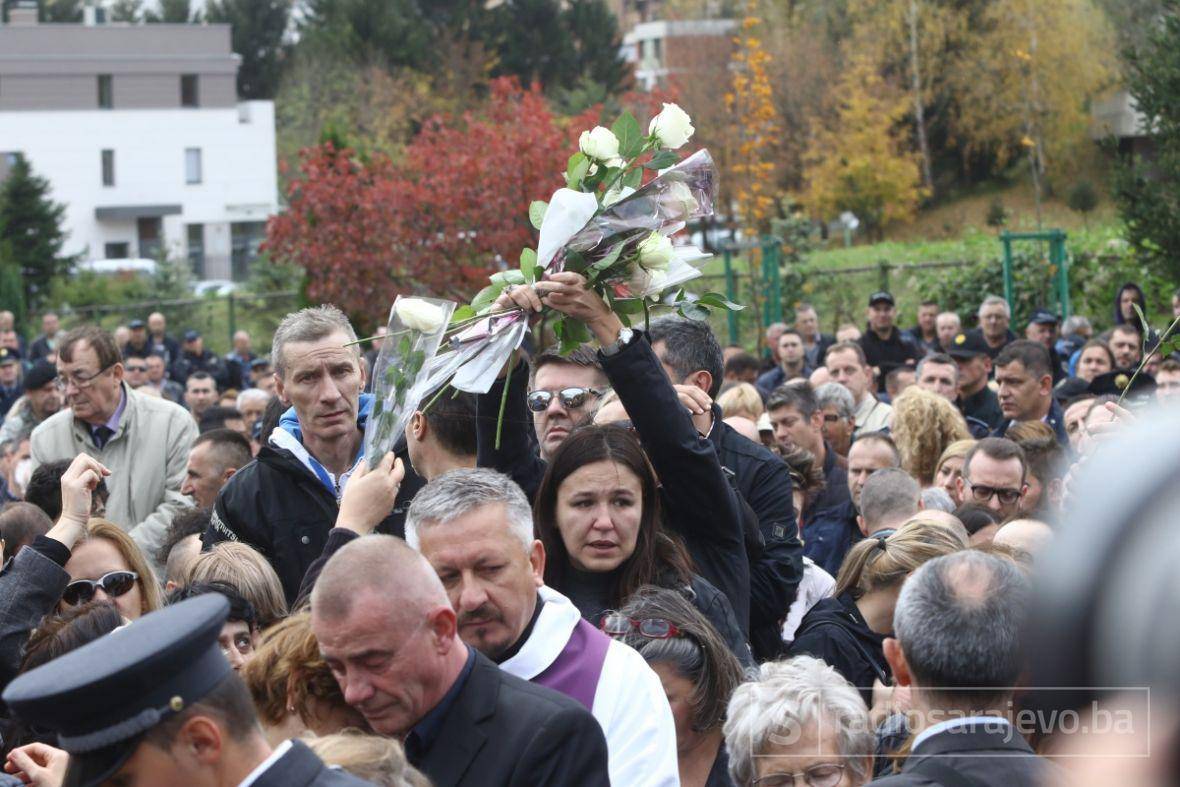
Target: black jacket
300, 767
975, 756
1054, 419
889, 354
830, 534
835, 631
983, 405
764, 482
208, 361
992, 352
502, 730
280, 508
699, 504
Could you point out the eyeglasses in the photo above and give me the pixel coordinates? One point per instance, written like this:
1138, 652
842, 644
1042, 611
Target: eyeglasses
80, 382
617, 625
114, 584
135, 368
570, 398
831, 418
982, 494
823, 775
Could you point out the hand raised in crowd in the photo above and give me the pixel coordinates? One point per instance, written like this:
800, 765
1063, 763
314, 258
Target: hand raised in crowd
369, 495
38, 764
77, 489
696, 401
567, 293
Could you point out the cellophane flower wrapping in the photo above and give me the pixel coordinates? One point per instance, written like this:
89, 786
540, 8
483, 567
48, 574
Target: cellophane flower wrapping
400, 380
606, 249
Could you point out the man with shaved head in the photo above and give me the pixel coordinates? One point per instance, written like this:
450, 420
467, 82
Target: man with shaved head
390, 636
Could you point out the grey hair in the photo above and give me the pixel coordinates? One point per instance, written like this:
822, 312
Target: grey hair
309, 325
251, 393
458, 492
838, 396
889, 497
993, 300
958, 619
793, 694
935, 498
948, 314
1075, 324
942, 359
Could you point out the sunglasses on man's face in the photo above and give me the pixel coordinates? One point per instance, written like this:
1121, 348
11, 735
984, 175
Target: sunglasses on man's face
114, 584
570, 398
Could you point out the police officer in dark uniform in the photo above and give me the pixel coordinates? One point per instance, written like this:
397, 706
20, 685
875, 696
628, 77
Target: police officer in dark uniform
12, 390
976, 400
158, 698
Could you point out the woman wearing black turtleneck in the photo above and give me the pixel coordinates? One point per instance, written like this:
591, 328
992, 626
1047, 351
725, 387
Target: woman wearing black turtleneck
598, 514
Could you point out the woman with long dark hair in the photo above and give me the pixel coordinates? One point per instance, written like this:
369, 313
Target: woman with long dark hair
598, 514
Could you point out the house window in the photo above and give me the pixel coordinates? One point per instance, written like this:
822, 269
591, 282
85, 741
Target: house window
245, 239
116, 251
192, 165
189, 94
108, 168
106, 93
196, 249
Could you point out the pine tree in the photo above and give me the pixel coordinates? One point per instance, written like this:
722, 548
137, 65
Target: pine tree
258, 27
31, 231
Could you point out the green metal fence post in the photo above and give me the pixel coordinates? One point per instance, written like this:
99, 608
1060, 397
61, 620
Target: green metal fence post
1008, 293
1061, 264
771, 261
731, 293
232, 320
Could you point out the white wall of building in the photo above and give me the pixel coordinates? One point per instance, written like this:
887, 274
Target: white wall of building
238, 183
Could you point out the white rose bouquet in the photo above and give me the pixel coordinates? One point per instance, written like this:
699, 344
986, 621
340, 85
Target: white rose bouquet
608, 225
416, 329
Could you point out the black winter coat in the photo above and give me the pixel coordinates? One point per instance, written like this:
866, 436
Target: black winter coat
835, 631
279, 507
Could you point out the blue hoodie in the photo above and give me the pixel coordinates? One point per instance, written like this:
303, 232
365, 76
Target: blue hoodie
290, 438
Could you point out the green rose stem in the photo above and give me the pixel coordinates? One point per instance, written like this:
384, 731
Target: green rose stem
450, 329
503, 406
434, 398
646, 318
1146, 358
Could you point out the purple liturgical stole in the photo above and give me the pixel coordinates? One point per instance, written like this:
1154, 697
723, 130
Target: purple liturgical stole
576, 670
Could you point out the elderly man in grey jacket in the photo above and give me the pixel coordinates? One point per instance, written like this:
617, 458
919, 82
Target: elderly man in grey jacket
143, 441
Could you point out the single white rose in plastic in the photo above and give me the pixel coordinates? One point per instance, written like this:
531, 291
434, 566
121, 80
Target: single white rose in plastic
599, 144
419, 315
672, 127
655, 252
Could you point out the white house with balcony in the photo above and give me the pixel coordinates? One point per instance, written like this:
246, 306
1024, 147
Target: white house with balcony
139, 132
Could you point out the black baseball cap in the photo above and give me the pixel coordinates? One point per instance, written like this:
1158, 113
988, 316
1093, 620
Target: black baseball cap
1043, 317
191, 335
9, 355
881, 296
42, 373
967, 345
135, 325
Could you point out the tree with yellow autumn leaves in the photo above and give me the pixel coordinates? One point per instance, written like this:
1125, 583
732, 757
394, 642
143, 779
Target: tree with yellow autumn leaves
863, 161
750, 104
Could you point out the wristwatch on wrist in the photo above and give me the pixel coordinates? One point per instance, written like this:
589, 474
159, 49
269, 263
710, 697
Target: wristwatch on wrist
625, 337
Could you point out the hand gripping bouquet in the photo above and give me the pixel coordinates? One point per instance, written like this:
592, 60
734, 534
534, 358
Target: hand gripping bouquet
607, 225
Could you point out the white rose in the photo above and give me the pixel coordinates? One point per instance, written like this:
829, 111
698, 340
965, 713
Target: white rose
655, 252
680, 195
644, 284
599, 144
419, 315
673, 127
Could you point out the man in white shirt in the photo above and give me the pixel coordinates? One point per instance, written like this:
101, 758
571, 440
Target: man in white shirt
475, 528
847, 364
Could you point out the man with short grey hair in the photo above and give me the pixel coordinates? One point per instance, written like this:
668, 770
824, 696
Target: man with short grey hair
889, 497
994, 318
956, 643
284, 503
948, 325
839, 409
465, 521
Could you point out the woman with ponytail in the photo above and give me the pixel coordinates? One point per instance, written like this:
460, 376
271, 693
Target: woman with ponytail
847, 630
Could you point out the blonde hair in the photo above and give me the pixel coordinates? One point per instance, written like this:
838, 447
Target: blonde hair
741, 400
246, 570
956, 450
374, 758
287, 670
150, 594
877, 563
924, 424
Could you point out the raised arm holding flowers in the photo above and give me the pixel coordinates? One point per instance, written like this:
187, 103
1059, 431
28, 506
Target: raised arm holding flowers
607, 233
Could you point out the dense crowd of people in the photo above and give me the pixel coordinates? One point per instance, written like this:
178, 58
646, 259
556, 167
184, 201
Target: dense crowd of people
651, 561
